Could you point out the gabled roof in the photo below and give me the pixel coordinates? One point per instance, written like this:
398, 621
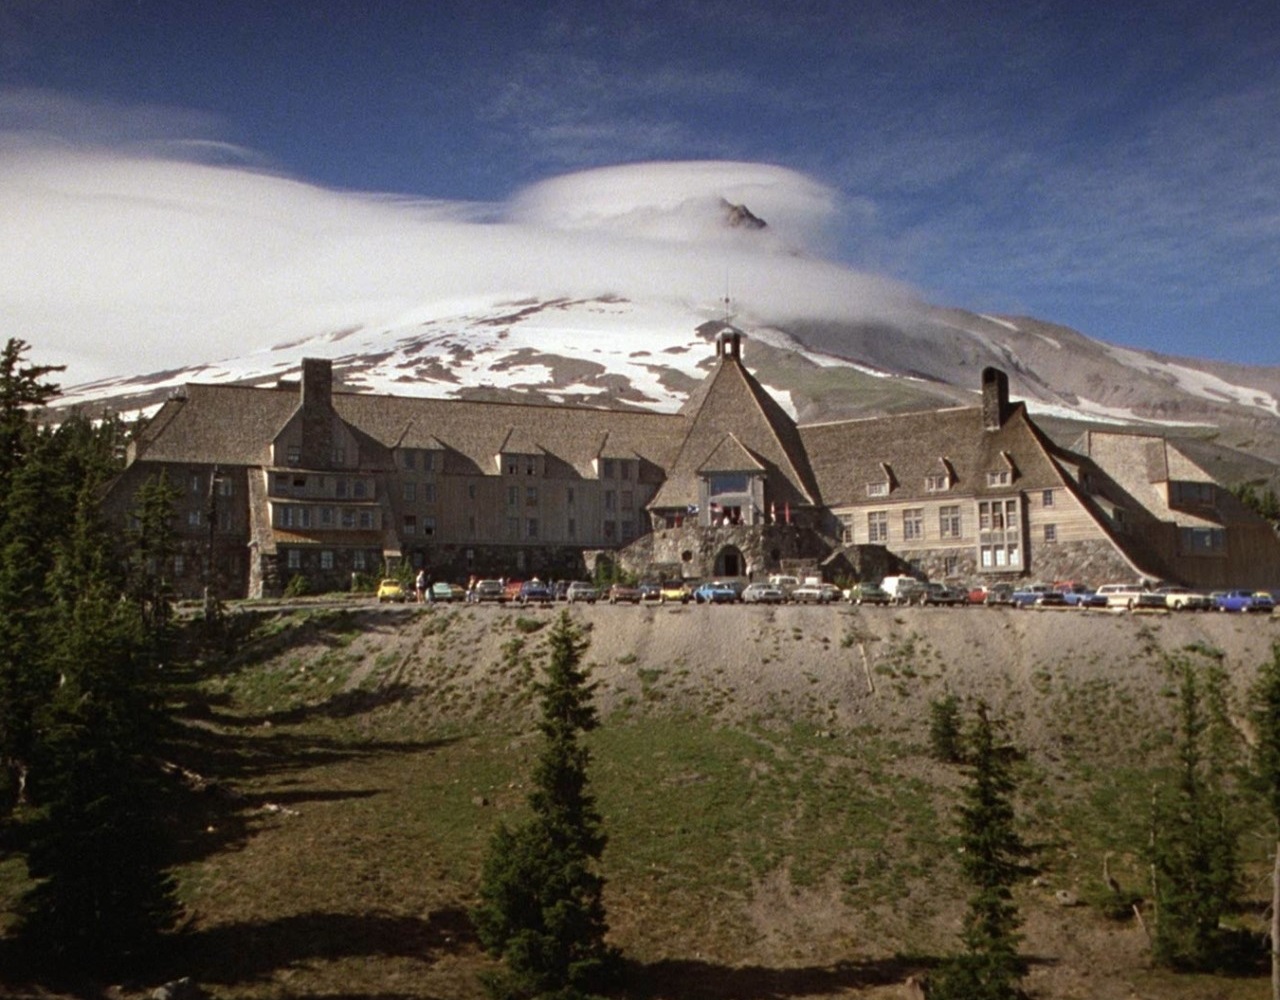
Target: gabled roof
731, 401
846, 455
730, 456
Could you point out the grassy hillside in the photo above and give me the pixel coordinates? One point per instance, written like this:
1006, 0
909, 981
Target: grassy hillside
777, 828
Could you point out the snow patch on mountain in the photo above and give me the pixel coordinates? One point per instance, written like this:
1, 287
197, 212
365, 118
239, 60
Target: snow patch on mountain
1196, 382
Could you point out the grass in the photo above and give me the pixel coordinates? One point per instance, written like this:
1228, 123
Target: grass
339, 851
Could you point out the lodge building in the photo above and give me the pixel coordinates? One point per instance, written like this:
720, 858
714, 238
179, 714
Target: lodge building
301, 479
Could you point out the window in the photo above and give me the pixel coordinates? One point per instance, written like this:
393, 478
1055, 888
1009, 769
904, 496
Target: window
339, 456
625, 469
195, 483
569, 496
326, 516
340, 489
359, 489
513, 496
530, 466
294, 558
179, 564
628, 530
1202, 541
428, 492
225, 486
1046, 498
410, 524
1192, 493
950, 565
998, 477
531, 496
348, 517
610, 500
877, 526
937, 483
409, 461
366, 519
194, 519
428, 527
846, 528
913, 524
326, 559
293, 455
949, 521
606, 469
513, 527
224, 520
357, 559
512, 466
299, 485
531, 527
410, 491
428, 461
628, 500
878, 489
1050, 533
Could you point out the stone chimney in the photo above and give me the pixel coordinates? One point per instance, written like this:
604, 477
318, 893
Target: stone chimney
995, 398
317, 412
729, 344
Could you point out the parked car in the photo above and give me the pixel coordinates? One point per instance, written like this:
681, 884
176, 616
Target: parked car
512, 590
903, 589
1080, 595
785, 582
580, 590
868, 593
715, 592
1051, 599
445, 593
487, 591
762, 593
392, 591
674, 591
535, 592
832, 592
1122, 595
650, 590
1245, 600
1026, 595
999, 595
810, 593
623, 593
1184, 599
940, 593
1148, 600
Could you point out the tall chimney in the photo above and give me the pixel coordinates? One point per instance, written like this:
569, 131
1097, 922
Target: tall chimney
317, 412
995, 398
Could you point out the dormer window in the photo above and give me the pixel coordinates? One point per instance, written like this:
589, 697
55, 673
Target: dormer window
938, 482
999, 477
293, 456
877, 489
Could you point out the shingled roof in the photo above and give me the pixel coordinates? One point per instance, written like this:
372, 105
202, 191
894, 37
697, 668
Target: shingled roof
731, 401
847, 455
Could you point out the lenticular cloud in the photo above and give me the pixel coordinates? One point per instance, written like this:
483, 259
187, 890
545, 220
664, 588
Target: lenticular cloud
120, 263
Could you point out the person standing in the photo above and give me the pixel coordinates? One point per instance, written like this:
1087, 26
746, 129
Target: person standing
420, 585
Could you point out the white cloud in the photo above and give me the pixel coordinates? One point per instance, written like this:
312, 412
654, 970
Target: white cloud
118, 263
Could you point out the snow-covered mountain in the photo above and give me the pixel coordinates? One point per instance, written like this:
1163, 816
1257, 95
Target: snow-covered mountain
600, 288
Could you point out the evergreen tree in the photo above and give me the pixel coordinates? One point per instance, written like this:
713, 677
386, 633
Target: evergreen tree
98, 845
1266, 719
542, 909
1194, 841
989, 968
946, 735
152, 545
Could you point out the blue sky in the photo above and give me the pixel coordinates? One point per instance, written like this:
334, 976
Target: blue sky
1111, 166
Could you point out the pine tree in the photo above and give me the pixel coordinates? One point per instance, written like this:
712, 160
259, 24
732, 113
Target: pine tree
946, 736
989, 968
542, 909
1266, 720
1194, 840
98, 845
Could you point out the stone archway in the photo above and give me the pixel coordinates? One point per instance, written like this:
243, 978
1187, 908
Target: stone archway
730, 562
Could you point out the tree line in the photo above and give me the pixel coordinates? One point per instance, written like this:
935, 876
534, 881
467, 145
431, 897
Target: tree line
84, 636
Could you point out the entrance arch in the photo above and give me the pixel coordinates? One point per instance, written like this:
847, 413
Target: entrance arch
730, 562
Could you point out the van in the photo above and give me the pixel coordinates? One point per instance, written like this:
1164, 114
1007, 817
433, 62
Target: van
784, 583
903, 589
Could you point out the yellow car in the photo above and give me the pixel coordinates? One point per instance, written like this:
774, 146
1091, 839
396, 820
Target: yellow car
391, 590
673, 592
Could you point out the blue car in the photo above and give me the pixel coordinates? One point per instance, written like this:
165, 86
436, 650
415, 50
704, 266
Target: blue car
715, 592
1244, 600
